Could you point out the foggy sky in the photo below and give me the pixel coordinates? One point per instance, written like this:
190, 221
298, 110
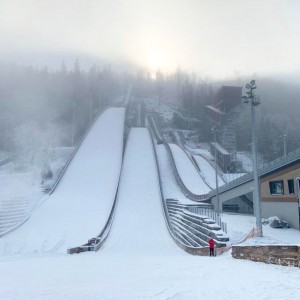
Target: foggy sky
212, 37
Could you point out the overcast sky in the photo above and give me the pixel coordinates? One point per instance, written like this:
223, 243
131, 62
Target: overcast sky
213, 37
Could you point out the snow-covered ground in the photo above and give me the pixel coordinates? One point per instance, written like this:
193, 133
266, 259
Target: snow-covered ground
139, 260
239, 225
80, 205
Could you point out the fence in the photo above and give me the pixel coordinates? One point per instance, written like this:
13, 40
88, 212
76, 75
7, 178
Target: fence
210, 213
265, 169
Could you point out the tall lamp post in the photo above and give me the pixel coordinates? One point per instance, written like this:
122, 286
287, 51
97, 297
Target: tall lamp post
253, 100
214, 131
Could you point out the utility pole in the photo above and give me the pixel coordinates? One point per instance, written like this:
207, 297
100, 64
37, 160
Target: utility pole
214, 131
254, 101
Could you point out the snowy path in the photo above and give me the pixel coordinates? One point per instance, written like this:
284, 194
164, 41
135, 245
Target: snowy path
139, 227
79, 207
188, 173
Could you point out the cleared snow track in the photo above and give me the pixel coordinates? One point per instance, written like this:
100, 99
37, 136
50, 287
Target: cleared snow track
81, 203
139, 227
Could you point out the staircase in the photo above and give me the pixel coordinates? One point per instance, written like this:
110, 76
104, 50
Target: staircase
228, 134
193, 229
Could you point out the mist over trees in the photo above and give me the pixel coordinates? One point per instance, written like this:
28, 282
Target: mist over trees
42, 109
276, 116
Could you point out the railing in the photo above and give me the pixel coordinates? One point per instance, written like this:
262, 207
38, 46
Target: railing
26, 216
94, 244
164, 205
267, 168
202, 251
178, 140
179, 181
218, 171
210, 213
155, 130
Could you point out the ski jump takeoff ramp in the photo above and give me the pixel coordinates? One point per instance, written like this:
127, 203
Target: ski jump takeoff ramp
81, 203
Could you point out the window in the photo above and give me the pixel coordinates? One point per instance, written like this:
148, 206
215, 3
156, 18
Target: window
291, 186
276, 187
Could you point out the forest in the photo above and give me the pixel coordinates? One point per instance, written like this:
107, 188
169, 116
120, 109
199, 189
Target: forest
43, 108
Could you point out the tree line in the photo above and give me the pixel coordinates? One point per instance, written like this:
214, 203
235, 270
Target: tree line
41, 109
277, 116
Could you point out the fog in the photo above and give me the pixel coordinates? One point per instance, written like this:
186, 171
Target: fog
213, 38
63, 62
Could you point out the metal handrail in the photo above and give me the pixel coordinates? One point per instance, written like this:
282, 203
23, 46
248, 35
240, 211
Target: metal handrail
164, 205
190, 249
263, 171
94, 244
183, 187
178, 179
191, 158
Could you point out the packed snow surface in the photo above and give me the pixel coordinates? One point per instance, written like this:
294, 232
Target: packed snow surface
188, 172
139, 227
208, 172
79, 207
171, 189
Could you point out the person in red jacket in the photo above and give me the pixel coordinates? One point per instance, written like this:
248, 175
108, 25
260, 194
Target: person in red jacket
211, 243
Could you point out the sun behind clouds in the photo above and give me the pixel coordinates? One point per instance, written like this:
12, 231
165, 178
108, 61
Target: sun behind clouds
155, 61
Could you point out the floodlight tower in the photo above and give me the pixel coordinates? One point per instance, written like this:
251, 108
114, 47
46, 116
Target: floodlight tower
254, 101
214, 131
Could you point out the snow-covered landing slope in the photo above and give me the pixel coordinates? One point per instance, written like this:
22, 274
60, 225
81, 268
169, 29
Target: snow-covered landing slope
188, 173
170, 187
208, 171
80, 206
139, 227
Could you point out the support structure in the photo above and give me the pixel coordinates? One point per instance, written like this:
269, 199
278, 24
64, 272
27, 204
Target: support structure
254, 101
214, 131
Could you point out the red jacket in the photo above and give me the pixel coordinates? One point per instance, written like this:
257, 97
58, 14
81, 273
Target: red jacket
211, 243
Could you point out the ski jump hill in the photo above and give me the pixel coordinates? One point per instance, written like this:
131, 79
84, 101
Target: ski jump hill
98, 179
139, 227
82, 201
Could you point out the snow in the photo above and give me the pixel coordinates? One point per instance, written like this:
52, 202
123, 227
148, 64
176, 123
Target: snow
79, 207
208, 171
139, 260
188, 173
238, 226
171, 190
139, 226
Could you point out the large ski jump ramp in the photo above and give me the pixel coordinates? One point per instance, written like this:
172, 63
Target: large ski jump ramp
81, 203
139, 227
